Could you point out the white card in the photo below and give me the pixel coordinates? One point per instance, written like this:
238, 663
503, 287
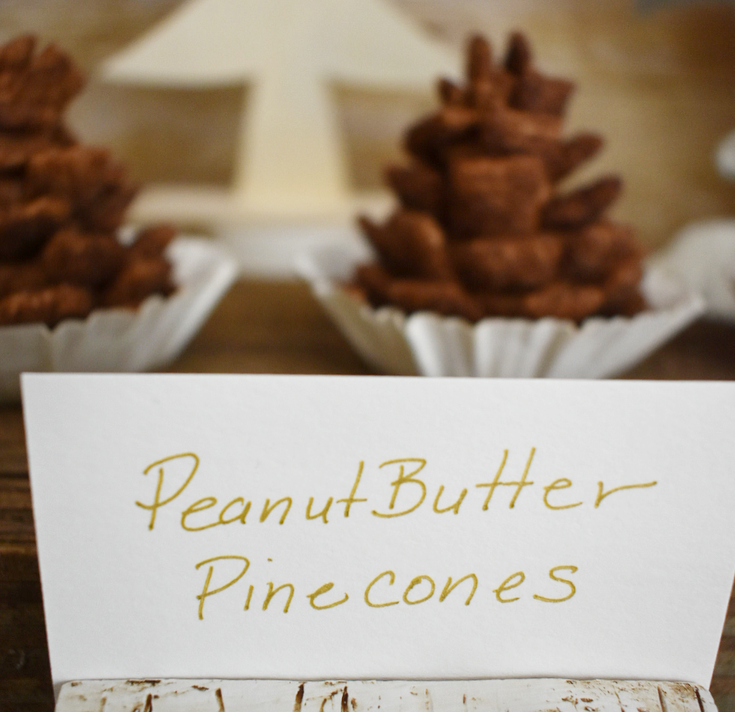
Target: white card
334, 527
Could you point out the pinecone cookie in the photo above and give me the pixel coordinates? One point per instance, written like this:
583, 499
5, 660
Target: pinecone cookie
62, 203
489, 267
482, 229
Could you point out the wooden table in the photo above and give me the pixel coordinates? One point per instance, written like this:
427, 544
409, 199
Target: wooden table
260, 327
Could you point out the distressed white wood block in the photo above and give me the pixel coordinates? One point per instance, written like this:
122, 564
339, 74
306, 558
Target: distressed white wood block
523, 695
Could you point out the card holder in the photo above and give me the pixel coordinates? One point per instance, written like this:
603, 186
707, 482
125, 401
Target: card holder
508, 695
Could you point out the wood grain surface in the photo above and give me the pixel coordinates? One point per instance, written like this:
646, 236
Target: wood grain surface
261, 327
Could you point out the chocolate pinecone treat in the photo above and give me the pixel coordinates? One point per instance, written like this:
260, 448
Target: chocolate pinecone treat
481, 229
61, 203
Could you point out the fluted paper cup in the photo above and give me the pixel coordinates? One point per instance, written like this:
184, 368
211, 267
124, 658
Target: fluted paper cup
431, 345
124, 340
702, 256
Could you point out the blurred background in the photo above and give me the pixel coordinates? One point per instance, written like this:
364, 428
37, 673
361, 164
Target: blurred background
656, 79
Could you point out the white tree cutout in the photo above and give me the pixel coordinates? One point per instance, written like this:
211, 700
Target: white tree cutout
290, 155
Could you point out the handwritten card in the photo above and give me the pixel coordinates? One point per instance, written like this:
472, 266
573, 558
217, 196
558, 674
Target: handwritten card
333, 527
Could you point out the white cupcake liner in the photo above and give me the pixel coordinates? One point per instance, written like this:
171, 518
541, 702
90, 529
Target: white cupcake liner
702, 256
120, 340
432, 345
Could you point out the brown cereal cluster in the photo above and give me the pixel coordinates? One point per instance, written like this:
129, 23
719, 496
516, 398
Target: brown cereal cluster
481, 229
61, 203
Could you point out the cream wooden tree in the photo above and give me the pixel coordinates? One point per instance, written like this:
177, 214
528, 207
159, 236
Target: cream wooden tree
290, 157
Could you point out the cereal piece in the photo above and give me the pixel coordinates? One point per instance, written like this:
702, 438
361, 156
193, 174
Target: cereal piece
446, 298
487, 86
479, 60
410, 244
374, 279
18, 146
449, 92
11, 190
413, 295
152, 241
34, 90
499, 263
507, 130
482, 96
137, 281
628, 306
538, 94
429, 139
561, 300
584, 205
562, 157
83, 259
496, 196
356, 291
456, 154
50, 305
501, 304
564, 301
418, 186
78, 174
106, 214
491, 93
622, 285
598, 247
24, 227
88, 179
518, 58
21, 277
16, 55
